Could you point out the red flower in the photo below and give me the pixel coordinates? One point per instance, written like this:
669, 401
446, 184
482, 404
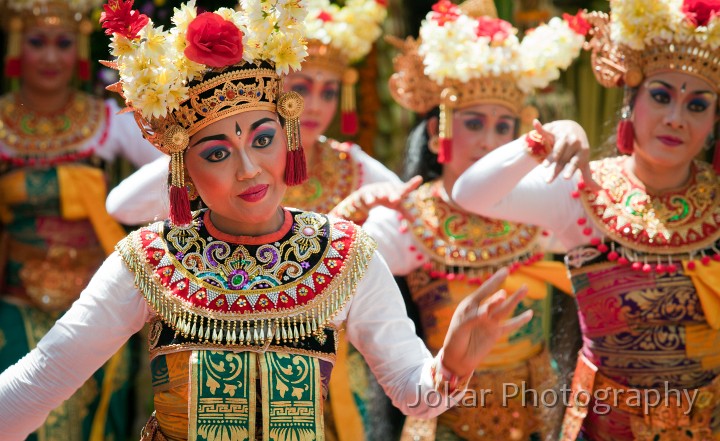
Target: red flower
120, 18
325, 16
213, 41
382, 3
577, 22
445, 11
699, 12
495, 28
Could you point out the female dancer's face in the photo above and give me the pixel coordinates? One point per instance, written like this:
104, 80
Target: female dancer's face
673, 116
238, 167
321, 89
478, 130
48, 58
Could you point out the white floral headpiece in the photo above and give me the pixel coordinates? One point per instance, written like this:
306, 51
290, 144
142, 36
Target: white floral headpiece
456, 46
351, 29
156, 65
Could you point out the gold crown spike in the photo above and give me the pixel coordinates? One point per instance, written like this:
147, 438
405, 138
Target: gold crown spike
628, 46
479, 8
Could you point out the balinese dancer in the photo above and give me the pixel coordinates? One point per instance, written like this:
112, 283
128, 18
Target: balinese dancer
642, 227
446, 251
245, 297
337, 38
54, 230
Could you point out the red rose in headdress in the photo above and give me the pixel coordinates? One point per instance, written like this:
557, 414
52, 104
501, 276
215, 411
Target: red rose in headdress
445, 11
495, 28
120, 18
577, 23
699, 12
213, 41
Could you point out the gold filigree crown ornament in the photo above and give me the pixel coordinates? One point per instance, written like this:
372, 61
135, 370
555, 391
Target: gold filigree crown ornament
207, 67
71, 14
339, 36
641, 38
466, 55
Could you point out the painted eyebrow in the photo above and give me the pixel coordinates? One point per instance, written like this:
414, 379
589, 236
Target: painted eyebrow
260, 122
695, 92
304, 77
219, 137
481, 114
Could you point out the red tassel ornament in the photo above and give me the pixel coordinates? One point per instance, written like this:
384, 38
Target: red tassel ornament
84, 70
296, 167
625, 136
12, 67
348, 107
349, 123
445, 150
448, 100
180, 214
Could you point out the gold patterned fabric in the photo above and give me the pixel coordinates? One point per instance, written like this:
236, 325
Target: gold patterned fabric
464, 249
331, 179
647, 329
460, 242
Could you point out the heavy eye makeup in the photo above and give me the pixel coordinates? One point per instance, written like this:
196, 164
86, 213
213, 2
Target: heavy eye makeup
505, 126
330, 92
263, 137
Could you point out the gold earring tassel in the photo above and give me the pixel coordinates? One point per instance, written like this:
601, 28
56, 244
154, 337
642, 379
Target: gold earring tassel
84, 50
348, 108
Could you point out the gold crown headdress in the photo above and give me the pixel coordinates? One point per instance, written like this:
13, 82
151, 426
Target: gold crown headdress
642, 38
339, 36
207, 67
69, 13
466, 55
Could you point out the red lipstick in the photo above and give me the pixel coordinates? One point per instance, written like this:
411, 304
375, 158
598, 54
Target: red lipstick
670, 141
254, 193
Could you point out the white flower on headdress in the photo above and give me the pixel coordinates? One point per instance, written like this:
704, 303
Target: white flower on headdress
547, 50
458, 47
153, 66
352, 28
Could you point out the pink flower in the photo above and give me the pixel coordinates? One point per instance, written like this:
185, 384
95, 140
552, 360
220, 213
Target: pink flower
699, 12
213, 41
577, 22
498, 30
445, 11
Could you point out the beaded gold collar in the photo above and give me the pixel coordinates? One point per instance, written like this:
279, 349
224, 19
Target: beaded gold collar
675, 222
464, 244
39, 136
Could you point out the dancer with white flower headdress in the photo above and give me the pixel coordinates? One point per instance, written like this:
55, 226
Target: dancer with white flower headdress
337, 38
245, 298
54, 230
642, 227
473, 107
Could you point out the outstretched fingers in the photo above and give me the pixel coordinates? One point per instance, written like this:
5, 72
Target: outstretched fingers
489, 287
513, 324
